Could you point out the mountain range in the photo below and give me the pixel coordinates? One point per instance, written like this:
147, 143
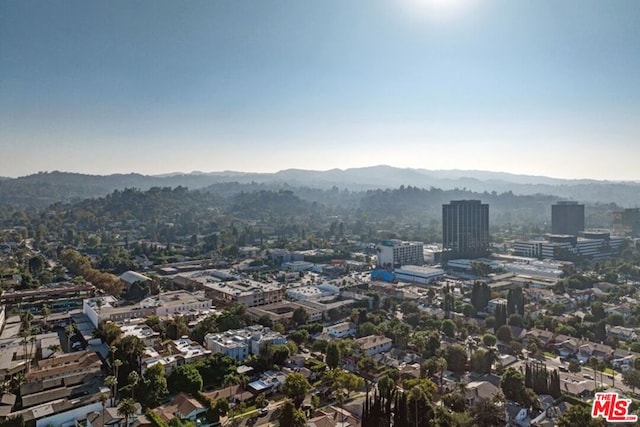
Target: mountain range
50, 187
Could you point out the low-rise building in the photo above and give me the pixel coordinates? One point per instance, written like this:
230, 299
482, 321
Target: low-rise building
167, 304
248, 292
373, 344
179, 352
283, 311
239, 344
140, 330
418, 274
269, 382
341, 330
306, 293
178, 303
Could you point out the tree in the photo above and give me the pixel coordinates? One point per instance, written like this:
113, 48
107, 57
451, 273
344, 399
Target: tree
480, 362
25, 320
386, 385
515, 320
504, 333
112, 383
456, 357
487, 413
579, 415
489, 340
36, 265
54, 348
185, 378
448, 328
419, 409
108, 332
441, 366
291, 417
631, 378
300, 316
512, 385
296, 387
339, 381
574, 366
153, 387
45, 312
334, 355
127, 408
104, 398
133, 380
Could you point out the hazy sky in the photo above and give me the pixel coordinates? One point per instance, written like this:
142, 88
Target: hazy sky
546, 87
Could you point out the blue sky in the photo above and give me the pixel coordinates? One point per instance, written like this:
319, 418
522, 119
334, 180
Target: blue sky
537, 87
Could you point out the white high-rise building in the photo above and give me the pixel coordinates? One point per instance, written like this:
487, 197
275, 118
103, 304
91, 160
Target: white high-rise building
397, 252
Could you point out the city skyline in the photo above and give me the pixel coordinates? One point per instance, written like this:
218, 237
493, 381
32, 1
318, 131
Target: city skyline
547, 89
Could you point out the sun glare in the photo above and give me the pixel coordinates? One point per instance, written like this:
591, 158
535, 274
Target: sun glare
438, 9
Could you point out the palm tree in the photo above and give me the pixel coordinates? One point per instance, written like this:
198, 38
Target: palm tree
25, 320
54, 348
441, 365
32, 341
69, 330
127, 409
45, 312
133, 378
103, 399
24, 334
593, 362
116, 365
112, 383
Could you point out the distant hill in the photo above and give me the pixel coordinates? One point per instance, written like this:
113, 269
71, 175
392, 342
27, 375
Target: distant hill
50, 187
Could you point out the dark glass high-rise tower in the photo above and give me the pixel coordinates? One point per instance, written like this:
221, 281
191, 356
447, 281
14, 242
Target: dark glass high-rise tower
465, 229
567, 218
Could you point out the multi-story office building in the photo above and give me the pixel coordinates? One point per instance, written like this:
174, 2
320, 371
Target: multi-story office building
465, 228
395, 252
248, 292
627, 222
567, 218
589, 245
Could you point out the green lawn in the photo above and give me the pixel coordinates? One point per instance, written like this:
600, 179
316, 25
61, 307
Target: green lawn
549, 355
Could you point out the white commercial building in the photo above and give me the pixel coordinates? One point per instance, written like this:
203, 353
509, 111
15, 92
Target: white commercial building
418, 274
178, 302
397, 252
168, 304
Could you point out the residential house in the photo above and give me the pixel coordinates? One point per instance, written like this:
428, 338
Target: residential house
480, 390
592, 349
341, 330
373, 344
622, 333
545, 338
624, 363
269, 382
625, 310
568, 347
182, 407
516, 415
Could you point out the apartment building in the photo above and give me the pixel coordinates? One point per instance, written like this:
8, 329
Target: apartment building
239, 344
